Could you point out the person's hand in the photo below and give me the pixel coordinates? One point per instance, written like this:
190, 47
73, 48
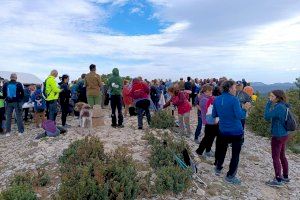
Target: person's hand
247, 105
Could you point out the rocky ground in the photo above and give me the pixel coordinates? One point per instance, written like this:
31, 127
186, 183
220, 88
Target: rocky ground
18, 154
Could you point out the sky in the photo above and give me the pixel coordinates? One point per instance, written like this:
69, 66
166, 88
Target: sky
254, 39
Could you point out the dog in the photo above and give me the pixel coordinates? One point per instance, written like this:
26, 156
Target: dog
85, 114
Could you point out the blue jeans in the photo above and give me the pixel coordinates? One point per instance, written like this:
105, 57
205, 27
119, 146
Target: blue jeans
52, 110
10, 107
141, 107
199, 128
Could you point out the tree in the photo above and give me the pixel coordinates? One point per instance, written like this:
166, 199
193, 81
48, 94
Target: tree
297, 83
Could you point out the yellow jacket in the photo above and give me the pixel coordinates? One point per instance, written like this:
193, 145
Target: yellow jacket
52, 89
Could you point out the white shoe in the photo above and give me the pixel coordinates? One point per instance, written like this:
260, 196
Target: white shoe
7, 134
20, 134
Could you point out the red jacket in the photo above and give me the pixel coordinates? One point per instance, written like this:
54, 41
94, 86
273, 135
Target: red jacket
139, 90
182, 102
126, 95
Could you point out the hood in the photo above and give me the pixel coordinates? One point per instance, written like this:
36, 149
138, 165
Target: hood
115, 72
135, 81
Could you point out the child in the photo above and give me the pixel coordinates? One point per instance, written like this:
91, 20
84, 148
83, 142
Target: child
180, 100
39, 106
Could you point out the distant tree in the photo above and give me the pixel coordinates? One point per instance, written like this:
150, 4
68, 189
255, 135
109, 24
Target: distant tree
298, 85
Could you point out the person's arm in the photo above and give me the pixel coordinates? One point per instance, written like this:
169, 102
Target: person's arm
237, 109
5, 90
203, 108
54, 87
168, 103
99, 81
270, 113
21, 90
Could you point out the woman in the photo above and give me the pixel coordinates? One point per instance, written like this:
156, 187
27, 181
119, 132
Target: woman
64, 98
275, 112
127, 100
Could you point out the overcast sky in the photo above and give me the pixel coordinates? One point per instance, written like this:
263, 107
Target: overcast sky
254, 39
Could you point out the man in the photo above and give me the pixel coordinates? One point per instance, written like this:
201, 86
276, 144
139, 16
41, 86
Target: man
188, 86
115, 86
244, 98
93, 86
81, 89
51, 93
2, 106
13, 93
227, 108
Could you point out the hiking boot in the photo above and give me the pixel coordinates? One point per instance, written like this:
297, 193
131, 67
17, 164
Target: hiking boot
285, 180
114, 125
121, 126
234, 180
218, 171
209, 154
275, 183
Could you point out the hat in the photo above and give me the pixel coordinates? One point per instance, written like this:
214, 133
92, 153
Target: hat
13, 77
239, 83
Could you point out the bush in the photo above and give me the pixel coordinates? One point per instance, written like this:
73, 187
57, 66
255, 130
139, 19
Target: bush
162, 120
19, 192
95, 175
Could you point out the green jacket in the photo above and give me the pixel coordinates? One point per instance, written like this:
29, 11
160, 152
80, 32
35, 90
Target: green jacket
52, 89
115, 83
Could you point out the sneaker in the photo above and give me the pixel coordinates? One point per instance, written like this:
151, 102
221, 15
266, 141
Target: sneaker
196, 141
233, 180
209, 154
121, 126
218, 172
20, 134
274, 183
286, 180
7, 134
67, 126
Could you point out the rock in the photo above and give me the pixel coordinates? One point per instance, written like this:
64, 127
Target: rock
200, 192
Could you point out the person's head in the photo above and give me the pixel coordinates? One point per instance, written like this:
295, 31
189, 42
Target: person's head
188, 79
207, 89
125, 82
181, 79
65, 78
83, 76
277, 96
229, 86
115, 72
38, 87
54, 73
92, 67
13, 77
239, 86
173, 91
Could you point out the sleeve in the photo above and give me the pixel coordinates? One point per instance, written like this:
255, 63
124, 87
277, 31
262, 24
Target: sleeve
237, 109
21, 90
203, 103
5, 90
32, 97
214, 111
54, 86
270, 113
175, 100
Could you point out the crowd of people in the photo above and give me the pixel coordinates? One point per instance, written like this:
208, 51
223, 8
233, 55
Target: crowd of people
222, 106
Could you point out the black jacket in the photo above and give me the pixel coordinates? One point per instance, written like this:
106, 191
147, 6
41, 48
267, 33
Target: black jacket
19, 92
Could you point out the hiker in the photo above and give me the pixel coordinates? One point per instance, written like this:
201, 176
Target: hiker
227, 107
155, 94
244, 98
276, 111
39, 106
50, 130
115, 86
140, 92
249, 90
2, 107
211, 124
180, 100
195, 91
102, 94
181, 84
199, 124
51, 92
64, 99
188, 86
13, 93
244, 82
93, 86
81, 89
26, 99
127, 100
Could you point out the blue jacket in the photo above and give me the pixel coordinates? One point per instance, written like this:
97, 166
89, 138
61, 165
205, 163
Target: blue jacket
227, 107
277, 116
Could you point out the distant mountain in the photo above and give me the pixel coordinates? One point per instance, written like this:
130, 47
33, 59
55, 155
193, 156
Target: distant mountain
263, 88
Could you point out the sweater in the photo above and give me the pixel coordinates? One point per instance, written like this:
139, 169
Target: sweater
93, 84
227, 107
115, 83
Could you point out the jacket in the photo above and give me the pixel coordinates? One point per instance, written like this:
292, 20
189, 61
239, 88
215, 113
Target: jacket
126, 95
276, 115
243, 97
93, 84
52, 89
1, 98
19, 92
182, 103
38, 102
205, 103
65, 93
139, 90
227, 107
115, 83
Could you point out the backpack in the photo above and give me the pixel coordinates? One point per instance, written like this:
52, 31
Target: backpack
138, 90
11, 91
290, 121
44, 89
40, 103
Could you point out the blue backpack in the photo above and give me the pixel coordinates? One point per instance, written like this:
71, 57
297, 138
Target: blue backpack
11, 91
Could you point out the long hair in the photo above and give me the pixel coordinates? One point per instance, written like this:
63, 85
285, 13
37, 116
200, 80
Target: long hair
280, 95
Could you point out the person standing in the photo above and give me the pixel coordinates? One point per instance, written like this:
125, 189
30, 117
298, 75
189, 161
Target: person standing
81, 89
93, 86
39, 106
115, 86
51, 92
244, 99
227, 107
276, 111
13, 93
64, 99
127, 100
2, 107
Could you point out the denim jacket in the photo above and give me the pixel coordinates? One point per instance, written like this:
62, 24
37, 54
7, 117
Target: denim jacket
276, 115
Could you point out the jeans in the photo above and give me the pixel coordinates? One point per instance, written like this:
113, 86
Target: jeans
116, 103
10, 107
143, 106
26, 111
211, 132
64, 112
221, 149
93, 100
278, 155
199, 128
51, 110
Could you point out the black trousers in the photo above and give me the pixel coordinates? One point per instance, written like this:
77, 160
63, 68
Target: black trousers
64, 112
221, 149
116, 103
2, 117
211, 132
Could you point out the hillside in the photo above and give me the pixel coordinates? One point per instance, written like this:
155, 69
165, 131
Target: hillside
263, 88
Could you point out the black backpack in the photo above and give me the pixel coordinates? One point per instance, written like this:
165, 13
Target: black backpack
44, 89
291, 123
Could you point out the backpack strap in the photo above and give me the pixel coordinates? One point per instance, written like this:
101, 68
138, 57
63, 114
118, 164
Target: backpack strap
287, 114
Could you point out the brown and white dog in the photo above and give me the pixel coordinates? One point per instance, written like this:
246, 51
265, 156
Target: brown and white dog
85, 114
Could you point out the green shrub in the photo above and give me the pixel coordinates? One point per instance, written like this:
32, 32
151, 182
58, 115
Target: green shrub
19, 192
162, 120
41, 178
96, 175
172, 178
22, 179
294, 142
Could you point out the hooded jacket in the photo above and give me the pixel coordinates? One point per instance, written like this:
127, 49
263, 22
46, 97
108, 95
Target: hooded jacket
52, 89
139, 90
115, 83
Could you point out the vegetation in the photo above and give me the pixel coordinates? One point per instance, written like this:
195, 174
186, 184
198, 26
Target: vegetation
162, 120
